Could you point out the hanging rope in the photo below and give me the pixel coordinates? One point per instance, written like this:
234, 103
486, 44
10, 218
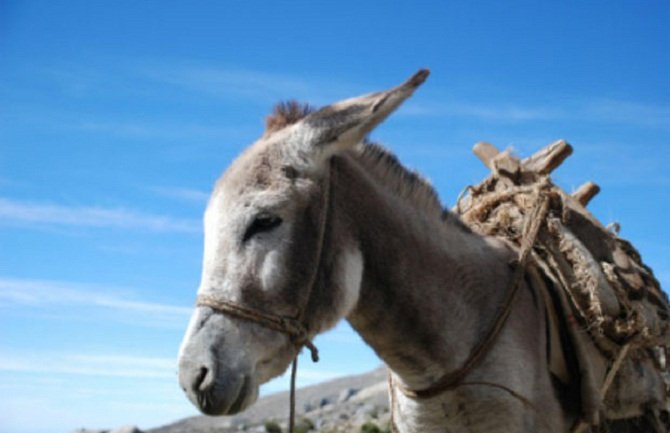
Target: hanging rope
452, 379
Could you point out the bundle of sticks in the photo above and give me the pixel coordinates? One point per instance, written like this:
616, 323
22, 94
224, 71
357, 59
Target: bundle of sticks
615, 311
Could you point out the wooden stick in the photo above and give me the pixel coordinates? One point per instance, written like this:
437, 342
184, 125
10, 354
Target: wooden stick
547, 159
505, 164
581, 426
614, 369
586, 192
485, 152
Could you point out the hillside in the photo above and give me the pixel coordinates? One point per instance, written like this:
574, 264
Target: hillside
339, 405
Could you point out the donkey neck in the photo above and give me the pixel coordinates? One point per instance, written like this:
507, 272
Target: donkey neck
430, 287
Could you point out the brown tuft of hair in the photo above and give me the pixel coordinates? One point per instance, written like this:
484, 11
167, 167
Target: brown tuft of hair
286, 113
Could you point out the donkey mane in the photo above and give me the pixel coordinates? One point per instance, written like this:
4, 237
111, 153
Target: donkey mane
382, 164
286, 113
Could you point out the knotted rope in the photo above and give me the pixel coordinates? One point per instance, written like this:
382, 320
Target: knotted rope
286, 325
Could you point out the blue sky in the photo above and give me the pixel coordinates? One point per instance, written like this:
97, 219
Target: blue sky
117, 118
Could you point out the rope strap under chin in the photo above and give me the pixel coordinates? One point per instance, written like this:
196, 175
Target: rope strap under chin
286, 325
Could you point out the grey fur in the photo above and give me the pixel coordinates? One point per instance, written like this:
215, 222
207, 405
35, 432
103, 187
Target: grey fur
428, 287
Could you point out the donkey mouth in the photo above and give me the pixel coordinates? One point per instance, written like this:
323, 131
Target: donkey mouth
217, 401
243, 398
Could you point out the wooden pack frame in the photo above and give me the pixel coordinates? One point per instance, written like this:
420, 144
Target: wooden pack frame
615, 312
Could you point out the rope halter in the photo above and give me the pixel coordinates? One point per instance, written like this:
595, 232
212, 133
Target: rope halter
293, 327
286, 325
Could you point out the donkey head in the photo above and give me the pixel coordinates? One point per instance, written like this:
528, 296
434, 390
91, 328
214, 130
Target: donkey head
263, 236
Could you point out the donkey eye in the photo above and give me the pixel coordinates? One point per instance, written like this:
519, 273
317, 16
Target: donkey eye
262, 223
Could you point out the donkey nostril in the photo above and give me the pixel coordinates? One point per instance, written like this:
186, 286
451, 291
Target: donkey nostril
202, 380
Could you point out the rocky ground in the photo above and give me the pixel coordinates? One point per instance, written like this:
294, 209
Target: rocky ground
349, 404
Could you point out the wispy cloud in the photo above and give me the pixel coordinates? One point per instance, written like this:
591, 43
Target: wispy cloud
91, 216
68, 398
249, 84
597, 110
230, 82
165, 130
110, 365
263, 86
234, 82
627, 112
43, 293
614, 163
493, 111
180, 193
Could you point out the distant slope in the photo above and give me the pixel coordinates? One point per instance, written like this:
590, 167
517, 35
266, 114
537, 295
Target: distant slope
345, 403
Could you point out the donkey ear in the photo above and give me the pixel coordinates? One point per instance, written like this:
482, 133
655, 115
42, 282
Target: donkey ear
346, 123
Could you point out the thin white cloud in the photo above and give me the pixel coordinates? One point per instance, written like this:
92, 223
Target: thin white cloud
110, 365
510, 113
613, 163
179, 193
257, 86
125, 366
31, 213
41, 293
88, 401
269, 87
627, 112
158, 130
493, 111
597, 110
227, 81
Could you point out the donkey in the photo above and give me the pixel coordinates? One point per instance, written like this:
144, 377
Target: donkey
312, 224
